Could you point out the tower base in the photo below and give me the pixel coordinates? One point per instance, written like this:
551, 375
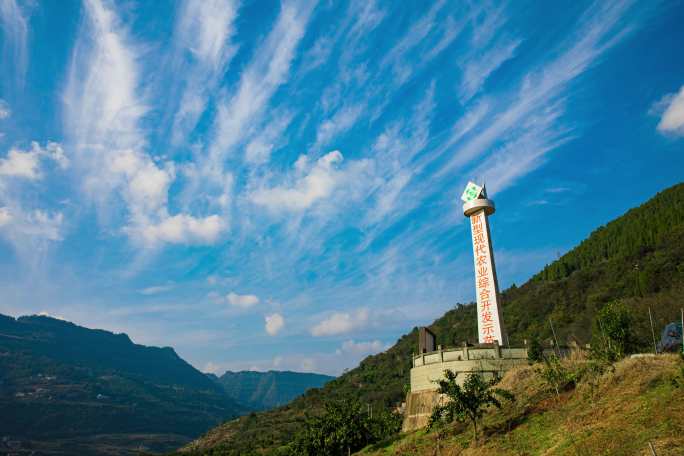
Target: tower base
489, 360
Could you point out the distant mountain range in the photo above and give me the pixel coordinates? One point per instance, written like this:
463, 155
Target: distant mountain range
637, 258
266, 390
66, 389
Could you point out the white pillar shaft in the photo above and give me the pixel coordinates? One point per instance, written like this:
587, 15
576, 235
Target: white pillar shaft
489, 325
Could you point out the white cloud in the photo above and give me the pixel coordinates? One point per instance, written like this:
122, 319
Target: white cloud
672, 120
183, 229
29, 230
341, 323
26, 164
213, 368
318, 184
20, 164
46, 314
347, 355
322, 179
361, 348
243, 301
5, 111
156, 289
274, 323
19, 225
5, 216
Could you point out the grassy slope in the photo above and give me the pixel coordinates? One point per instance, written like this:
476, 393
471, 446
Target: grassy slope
569, 291
640, 401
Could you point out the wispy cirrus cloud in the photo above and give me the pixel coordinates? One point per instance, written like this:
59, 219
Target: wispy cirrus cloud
243, 109
155, 289
104, 112
599, 29
478, 69
340, 122
419, 30
268, 69
204, 48
15, 39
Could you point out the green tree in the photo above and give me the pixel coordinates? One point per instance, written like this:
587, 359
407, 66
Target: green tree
344, 428
556, 376
535, 352
467, 402
613, 337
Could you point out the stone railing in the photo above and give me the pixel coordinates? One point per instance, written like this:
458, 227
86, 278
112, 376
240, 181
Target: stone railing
468, 353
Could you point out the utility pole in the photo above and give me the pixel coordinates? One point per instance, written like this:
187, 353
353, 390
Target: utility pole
655, 347
637, 288
554, 336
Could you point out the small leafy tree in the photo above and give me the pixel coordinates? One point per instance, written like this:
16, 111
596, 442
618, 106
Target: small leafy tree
535, 353
467, 402
556, 376
613, 337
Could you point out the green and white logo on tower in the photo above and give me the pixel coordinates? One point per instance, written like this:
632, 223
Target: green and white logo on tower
471, 192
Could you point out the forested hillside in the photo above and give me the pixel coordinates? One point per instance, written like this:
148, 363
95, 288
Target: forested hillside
60, 382
266, 390
637, 258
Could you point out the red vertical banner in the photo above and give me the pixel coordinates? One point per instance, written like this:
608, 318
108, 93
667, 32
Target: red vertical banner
488, 313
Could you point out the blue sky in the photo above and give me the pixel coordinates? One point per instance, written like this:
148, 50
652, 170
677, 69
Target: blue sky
266, 184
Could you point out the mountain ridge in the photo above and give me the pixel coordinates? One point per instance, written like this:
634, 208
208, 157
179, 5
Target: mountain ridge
269, 389
62, 383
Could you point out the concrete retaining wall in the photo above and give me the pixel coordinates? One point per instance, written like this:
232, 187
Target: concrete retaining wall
418, 409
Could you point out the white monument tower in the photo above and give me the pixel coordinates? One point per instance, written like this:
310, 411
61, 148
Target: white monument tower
478, 208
